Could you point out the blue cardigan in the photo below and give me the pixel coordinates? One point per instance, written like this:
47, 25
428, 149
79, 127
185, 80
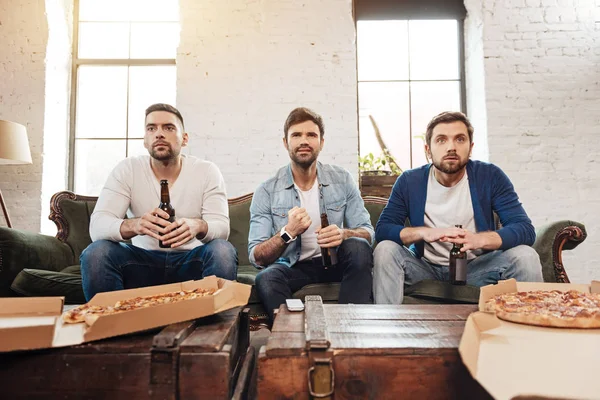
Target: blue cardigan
491, 191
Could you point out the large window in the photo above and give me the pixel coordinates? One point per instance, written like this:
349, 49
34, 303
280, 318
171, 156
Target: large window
124, 60
409, 69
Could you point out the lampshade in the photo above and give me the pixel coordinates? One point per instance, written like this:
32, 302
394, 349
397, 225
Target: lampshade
14, 145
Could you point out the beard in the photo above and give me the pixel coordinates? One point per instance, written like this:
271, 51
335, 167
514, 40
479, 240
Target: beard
450, 167
163, 155
304, 160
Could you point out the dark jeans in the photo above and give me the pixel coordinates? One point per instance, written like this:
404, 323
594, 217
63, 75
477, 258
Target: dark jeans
276, 283
108, 266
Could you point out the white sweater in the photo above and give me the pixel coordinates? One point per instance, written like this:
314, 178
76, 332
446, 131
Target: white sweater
132, 188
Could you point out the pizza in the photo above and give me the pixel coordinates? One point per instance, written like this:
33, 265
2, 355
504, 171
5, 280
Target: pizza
552, 308
79, 313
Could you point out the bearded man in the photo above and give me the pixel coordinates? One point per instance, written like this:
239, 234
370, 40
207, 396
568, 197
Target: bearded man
196, 240
286, 236
452, 190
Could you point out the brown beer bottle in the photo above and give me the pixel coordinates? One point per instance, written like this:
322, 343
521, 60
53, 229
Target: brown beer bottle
165, 205
457, 268
328, 254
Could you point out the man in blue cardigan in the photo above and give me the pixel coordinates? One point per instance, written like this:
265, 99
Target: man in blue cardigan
452, 190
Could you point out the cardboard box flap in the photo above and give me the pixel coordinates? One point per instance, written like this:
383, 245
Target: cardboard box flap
27, 306
512, 359
147, 318
240, 293
489, 291
209, 282
476, 326
224, 298
595, 287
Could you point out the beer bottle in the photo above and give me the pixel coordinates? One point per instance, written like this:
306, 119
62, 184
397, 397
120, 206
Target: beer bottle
328, 254
165, 205
457, 267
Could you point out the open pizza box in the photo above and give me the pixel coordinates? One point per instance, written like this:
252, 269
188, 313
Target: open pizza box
517, 361
36, 323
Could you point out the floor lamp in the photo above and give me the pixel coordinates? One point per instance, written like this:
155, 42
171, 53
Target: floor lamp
14, 149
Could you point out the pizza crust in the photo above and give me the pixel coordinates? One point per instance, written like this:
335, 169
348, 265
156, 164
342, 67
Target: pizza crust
549, 320
571, 309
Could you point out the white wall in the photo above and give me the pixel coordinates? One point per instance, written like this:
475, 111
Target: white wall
23, 39
533, 87
244, 65
542, 89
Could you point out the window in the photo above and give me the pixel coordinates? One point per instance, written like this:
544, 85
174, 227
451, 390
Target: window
410, 68
124, 60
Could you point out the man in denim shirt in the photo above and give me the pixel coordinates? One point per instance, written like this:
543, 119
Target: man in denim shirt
285, 229
435, 197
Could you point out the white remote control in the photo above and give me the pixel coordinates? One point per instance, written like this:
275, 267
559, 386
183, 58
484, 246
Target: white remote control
294, 305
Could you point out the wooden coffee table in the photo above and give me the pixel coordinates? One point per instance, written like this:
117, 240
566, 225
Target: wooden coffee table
207, 358
374, 351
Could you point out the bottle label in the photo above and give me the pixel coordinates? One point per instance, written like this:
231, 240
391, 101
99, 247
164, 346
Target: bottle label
461, 269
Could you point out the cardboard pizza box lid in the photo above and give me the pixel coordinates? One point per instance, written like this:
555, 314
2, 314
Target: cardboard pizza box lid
514, 361
55, 333
28, 322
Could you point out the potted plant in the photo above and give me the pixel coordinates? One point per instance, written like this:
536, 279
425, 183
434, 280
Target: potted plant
378, 174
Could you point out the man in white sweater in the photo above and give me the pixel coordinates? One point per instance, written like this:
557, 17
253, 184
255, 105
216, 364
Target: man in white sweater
198, 236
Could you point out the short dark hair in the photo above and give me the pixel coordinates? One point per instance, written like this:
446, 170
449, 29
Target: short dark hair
447, 117
165, 107
300, 115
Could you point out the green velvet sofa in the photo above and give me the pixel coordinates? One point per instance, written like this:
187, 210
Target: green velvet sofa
39, 265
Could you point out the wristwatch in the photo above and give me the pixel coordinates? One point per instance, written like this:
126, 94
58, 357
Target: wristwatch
286, 236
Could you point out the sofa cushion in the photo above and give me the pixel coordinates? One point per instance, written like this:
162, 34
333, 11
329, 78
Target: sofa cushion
329, 292
247, 274
239, 217
37, 282
440, 292
77, 217
424, 292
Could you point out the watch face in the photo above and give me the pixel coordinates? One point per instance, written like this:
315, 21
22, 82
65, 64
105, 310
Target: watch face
286, 238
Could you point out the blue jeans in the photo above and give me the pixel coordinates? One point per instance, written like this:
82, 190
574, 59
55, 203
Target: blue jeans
396, 266
278, 282
108, 266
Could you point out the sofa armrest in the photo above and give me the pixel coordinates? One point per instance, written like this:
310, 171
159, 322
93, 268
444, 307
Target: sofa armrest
551, 240
22, 249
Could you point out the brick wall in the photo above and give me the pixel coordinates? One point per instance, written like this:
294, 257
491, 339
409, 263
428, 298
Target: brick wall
244, 65
542, 99
23, 38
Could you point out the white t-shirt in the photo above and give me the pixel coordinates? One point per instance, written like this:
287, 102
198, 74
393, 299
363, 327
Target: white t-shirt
132, 188
444, 208
310, 201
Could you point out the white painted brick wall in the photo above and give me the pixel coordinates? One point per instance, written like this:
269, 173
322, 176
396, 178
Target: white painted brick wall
244, 65
23, 37
542, 90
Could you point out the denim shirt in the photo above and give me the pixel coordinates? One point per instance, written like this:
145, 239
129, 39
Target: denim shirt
339, 197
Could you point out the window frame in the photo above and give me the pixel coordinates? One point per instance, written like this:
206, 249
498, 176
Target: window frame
374, 10
76, 63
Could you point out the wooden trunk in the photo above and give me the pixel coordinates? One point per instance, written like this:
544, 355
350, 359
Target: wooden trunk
375, 352
188, 360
